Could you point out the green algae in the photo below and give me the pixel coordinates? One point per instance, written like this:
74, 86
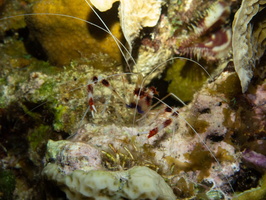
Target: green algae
200, 159
60, 111
29, 81
184, 189
38, 102
45, 92
230, 87
31, 113
224, 156
199, 125
186, 78
7, 184
38, 136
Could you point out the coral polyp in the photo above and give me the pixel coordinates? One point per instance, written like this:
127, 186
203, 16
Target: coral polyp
129, 156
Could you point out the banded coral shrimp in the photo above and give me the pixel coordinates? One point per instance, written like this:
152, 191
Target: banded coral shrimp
115, 151
173, 161
160, 127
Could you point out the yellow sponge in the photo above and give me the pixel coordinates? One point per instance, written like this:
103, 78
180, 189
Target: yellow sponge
64, 38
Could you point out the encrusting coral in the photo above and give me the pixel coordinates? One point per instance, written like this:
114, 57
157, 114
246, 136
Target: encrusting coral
65, 39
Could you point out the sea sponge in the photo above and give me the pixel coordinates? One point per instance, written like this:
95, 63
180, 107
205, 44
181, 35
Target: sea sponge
134, 15
248, 39
103, 5
64, 38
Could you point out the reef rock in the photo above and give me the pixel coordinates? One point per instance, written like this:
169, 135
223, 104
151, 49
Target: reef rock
195, 149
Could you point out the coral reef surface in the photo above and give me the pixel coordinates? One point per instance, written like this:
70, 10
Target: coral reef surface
198, 148
211, 148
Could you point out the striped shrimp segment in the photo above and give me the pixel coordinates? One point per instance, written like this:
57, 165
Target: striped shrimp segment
90, 95
141, 99
90, 89
166, 123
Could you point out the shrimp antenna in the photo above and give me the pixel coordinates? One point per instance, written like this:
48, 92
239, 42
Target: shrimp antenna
202, 141
117, 41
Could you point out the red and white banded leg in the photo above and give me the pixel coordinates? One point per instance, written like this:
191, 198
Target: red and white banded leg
90, 89
90, 95
166, 123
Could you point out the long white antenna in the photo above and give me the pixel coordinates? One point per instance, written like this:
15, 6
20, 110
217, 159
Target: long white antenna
108, 30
